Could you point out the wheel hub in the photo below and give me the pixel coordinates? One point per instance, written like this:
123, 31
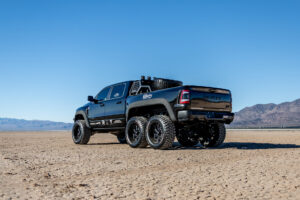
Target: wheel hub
77, 133
135, 132
157, 133
209, 136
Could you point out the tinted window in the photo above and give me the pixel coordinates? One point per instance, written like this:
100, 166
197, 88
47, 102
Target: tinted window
103, 94
117, 91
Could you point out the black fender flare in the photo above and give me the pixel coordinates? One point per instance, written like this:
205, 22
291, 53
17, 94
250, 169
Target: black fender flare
151, 102
81, 112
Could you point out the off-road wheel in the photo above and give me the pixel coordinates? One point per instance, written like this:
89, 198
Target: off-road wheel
160, 132
135, 132
213, 135
122, 138
80, 132
187, 137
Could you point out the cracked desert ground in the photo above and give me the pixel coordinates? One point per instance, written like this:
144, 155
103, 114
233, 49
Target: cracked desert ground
250, 165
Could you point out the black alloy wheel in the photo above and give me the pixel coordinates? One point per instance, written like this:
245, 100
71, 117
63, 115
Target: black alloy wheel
213, 135
135, 132
122, 138
160, 132
80, 132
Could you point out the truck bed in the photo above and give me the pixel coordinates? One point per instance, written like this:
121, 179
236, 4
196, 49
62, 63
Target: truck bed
205, 103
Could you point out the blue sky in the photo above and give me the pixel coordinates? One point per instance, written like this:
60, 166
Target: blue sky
55, 53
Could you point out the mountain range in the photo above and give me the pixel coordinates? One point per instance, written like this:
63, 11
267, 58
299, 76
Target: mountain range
284, 115
10, 124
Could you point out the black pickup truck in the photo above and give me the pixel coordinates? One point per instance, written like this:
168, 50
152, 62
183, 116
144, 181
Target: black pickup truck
155, 111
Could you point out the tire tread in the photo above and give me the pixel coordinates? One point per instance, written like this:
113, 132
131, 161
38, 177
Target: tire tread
170, 131
86, 132
141, 121
222, 135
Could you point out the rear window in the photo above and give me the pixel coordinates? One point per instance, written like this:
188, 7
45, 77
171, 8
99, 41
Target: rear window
117, 91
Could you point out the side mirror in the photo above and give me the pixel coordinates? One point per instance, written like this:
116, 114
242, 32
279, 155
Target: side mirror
91, 99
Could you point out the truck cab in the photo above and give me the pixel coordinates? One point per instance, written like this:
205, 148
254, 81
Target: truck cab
107, 109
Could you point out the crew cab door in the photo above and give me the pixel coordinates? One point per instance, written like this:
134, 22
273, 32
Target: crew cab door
115, 106
96, 112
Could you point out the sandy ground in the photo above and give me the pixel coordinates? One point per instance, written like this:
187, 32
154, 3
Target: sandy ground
250, 165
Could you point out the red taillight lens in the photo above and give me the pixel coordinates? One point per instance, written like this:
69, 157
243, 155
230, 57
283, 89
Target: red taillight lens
185, 97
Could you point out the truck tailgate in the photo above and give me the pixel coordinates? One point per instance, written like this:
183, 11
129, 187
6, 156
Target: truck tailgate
210, 99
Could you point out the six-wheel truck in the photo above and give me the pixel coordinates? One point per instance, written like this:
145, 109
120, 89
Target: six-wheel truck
155, 111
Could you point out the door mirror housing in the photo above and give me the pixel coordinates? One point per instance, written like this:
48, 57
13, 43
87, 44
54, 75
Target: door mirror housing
91, 99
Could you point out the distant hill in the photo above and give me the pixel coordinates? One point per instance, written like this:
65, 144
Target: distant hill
284, 115
10, 124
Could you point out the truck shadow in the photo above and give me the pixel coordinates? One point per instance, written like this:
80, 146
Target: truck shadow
229, 145
240, 145
102, 143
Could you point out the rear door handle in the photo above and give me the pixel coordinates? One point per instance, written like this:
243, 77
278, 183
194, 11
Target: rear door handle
119, 102
101, 104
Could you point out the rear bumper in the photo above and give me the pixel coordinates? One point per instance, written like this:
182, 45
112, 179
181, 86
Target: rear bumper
191, 115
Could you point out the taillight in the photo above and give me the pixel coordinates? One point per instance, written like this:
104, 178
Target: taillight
185, 97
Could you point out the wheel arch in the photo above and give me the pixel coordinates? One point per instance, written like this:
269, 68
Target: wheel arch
144, 105
81, 115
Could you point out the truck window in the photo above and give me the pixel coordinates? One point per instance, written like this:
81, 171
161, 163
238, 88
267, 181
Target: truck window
103, 94
117, 91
